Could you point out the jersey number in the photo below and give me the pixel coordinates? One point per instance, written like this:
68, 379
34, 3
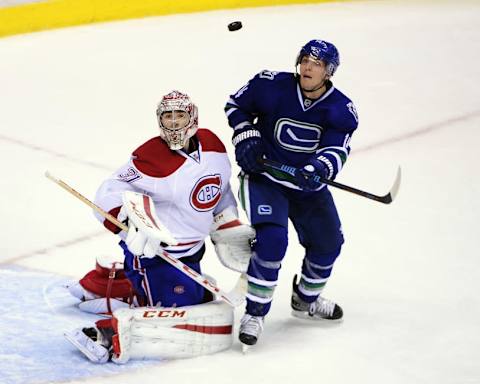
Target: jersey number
267, 75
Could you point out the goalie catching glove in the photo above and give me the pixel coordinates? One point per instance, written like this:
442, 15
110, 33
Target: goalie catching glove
145, 231
232, 240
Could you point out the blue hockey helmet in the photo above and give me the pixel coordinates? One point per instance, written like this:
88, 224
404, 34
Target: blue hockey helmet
321, 50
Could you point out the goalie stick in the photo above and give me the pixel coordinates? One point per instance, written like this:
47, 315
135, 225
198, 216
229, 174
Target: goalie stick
291, 171
234, 298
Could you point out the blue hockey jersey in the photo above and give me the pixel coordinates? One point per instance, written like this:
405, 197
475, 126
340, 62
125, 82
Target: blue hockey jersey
294, 128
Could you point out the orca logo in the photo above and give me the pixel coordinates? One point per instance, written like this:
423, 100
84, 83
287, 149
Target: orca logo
297, 136
206, 193
353, 111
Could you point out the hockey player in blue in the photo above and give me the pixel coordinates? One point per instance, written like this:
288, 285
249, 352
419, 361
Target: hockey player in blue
302, 120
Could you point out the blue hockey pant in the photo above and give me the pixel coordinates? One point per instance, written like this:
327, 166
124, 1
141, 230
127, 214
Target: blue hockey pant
315, 219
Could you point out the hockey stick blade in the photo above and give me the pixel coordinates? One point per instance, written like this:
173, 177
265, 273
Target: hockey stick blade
233, 298
390, 196
290, 171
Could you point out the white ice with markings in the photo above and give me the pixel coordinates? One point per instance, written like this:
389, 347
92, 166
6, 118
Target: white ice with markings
78, 101
36, 311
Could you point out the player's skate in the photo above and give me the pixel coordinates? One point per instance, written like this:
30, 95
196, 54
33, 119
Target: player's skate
322, 308
91, 342
250, 329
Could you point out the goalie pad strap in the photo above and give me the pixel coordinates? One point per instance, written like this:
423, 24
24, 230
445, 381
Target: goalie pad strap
111, 277
105, 270
115, 340
99, 285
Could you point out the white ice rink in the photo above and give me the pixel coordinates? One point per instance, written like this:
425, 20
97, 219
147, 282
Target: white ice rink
78, 101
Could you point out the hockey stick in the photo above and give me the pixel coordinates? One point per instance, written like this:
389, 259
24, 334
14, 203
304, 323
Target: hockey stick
235, 297
291, 171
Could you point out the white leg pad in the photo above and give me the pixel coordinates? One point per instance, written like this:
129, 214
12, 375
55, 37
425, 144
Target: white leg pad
81, 293
100, 305
157, 332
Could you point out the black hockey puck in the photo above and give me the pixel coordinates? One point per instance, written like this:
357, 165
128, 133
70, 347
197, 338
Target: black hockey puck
234, 26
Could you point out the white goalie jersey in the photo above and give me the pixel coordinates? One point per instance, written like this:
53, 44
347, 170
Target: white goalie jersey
187, 190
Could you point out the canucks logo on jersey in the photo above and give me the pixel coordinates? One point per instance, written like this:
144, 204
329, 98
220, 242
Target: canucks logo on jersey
297, 136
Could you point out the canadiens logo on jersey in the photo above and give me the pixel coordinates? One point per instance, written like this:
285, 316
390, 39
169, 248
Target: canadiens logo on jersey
129, 175
206, 193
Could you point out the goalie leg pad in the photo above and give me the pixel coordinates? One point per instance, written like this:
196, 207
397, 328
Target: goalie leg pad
98, 285
174, 332
103, 289
102, 305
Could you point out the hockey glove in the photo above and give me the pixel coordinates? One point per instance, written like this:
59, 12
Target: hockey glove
232, 240
140, 244
248, 148
305, 176
146, 234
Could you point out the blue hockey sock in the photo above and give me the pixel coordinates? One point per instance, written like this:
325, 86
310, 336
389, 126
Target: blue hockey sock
316, 270
262, 273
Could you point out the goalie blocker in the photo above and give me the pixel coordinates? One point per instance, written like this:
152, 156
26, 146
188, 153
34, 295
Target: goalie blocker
156, 332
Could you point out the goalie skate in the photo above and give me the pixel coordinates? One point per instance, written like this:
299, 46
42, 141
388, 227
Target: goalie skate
88, 341
321, 309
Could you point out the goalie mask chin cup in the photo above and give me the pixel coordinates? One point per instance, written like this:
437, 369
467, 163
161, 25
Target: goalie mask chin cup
177, 138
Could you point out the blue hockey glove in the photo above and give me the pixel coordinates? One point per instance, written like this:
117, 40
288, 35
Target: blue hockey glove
248, 148
305, 176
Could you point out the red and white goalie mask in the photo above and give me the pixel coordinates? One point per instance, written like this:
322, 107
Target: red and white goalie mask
177, 118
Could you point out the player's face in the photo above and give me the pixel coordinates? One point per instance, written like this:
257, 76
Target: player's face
175, 119
174, 128
313, 72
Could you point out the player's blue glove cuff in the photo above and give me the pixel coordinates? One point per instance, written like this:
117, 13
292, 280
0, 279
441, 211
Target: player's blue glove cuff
305, 177
248, 148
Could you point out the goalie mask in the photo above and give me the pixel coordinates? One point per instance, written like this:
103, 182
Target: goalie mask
177, 118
